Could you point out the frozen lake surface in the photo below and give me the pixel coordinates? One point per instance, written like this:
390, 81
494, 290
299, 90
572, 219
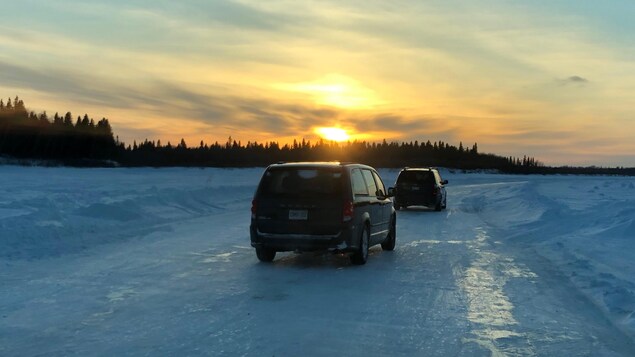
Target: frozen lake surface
158, 262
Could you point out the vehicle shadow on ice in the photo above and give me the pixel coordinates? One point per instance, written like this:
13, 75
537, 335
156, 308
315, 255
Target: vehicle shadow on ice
417, 209
326, 260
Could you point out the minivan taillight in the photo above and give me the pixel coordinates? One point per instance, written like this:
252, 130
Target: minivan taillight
254, 205
347, 214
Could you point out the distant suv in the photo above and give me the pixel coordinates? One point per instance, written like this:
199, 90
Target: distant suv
420, 187
309, 206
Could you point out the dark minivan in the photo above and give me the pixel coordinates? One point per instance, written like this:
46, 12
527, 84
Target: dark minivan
420, 187
310, 206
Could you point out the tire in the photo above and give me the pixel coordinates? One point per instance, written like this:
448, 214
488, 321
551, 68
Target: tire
438, 207
265, 254
361, 255
389, 243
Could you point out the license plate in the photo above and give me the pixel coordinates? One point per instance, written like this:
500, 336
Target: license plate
298, 214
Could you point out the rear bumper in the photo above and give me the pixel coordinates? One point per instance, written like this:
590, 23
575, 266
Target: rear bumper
416, 200
341, 242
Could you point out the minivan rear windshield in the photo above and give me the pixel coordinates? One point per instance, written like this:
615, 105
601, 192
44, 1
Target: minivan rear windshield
302, 181
415, 177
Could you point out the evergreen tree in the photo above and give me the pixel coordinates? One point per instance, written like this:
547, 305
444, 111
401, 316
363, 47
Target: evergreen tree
44, 118
19, 105
57, 119
68, 119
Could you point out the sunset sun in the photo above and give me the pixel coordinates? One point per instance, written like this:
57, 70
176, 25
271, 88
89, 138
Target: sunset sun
332, 133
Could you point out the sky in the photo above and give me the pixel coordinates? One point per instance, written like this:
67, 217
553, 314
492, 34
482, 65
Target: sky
554, 80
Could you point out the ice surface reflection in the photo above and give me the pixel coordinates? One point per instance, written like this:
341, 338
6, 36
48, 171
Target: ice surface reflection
488, 306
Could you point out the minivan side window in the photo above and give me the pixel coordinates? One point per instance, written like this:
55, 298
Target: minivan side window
380, 184
359, 185
437, 177
370, 182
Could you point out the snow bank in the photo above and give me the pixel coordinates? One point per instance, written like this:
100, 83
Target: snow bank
54, 211
584, 225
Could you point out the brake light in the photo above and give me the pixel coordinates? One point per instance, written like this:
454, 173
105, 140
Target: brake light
254, 206
348, 211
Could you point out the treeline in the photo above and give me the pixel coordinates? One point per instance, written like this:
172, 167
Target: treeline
84, 142
571, 170
384, 154
233, 153
27, 135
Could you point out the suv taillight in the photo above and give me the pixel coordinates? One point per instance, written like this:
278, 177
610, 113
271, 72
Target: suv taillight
254, 205
348, 211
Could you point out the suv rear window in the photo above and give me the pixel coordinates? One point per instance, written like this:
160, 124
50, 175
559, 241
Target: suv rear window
302, 181
415, 177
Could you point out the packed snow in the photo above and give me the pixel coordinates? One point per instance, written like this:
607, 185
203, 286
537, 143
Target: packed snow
158, 262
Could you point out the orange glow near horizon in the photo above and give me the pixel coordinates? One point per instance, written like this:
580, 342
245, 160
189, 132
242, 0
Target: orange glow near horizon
335, 90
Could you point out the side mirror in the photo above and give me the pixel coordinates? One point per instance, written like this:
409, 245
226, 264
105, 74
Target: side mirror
445, 182
391, 192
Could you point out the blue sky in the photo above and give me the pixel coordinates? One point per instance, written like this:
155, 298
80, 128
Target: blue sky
550, 79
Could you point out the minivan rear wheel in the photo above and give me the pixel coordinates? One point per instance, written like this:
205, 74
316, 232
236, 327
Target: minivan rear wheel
361, 255
265, 254
389, 243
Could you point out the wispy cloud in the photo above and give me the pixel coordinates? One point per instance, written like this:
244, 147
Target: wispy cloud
573, 80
